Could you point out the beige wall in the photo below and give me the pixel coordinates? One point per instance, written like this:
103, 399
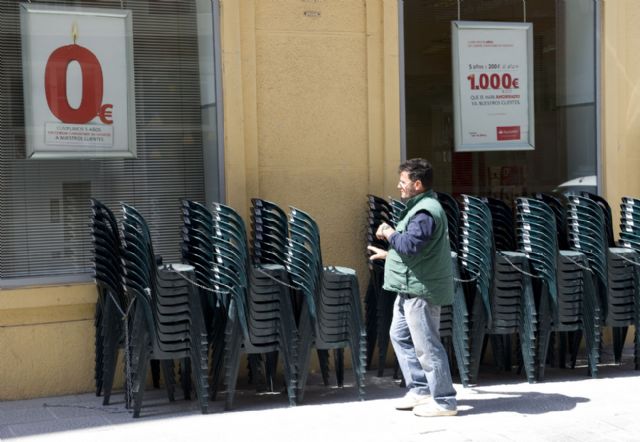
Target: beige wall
620, 101
311, 99
46, 341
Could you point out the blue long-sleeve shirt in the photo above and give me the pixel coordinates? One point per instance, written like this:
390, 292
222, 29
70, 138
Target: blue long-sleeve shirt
416, 236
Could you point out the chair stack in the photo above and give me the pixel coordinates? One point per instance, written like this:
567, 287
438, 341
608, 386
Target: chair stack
168, 323
630, 237
112, 302
614, 268
268, 243
502, 302
566, 301
260, 318
330, 316
198, 251
454, 323
378, 302
454, 318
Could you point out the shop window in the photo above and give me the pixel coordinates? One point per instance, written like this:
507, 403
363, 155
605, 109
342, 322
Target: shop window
44, 203
564, 48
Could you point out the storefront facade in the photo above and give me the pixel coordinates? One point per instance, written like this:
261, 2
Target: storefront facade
307, 103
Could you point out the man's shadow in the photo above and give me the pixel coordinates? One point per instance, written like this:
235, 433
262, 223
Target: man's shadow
518, 402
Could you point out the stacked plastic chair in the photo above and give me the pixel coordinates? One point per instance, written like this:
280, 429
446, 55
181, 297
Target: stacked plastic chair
567, 300
614, 268
378, 302
268, 241
502, 299
260, 316
269, 232
454, 318
168, 324
630, 237
198, 251
331, 316
112, 303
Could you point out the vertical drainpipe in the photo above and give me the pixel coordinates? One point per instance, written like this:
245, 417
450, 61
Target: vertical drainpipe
217, 59
403, 116
598, 91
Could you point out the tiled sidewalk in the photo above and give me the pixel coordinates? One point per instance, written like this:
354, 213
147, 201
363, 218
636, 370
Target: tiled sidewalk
568, 406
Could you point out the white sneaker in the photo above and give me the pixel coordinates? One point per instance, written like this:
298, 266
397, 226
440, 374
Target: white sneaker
411, 400
432, 409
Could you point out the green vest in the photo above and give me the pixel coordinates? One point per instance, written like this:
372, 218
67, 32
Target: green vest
429, 273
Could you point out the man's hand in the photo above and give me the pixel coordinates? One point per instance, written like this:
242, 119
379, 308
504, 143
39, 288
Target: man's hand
384, 231
377, 253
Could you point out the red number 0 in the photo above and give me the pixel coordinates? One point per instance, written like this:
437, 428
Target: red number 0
55, 84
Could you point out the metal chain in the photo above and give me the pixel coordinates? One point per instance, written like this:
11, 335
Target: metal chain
476, 276
200, 286
635, 263
227, 292
517, 268
277, 280
579, 264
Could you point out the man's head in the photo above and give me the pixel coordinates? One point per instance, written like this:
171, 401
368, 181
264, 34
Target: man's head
416, 176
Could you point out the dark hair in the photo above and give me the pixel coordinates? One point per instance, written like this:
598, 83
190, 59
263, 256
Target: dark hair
418, 169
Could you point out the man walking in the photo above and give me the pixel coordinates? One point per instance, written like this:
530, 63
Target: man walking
418, 268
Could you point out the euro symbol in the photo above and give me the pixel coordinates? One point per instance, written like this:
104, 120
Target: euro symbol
516, 83
105, 113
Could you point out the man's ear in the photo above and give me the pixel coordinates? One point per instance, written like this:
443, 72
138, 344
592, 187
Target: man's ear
417, 185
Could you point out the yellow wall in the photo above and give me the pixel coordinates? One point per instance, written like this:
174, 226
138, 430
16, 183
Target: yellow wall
620, 101
46, 341
311, 111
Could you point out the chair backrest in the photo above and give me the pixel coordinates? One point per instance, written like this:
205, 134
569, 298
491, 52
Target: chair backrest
538, 239
477, 247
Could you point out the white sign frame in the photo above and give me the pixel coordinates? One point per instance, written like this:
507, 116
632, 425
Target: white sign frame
108, 35
482, 118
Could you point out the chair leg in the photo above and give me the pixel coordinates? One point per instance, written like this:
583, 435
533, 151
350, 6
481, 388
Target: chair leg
217, 351
233, 342
155, 373
304, 353
338, 357
200, 363
167, 369
140, 371
476, 338
111, 334
185, 377
98, 343
323, 359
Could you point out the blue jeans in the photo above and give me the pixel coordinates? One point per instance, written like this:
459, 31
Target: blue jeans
415, 336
